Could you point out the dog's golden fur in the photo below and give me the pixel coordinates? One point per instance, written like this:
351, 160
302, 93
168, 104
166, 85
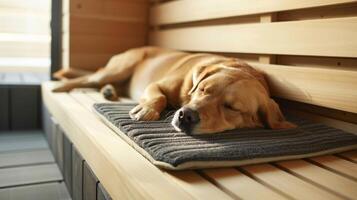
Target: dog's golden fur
226, 92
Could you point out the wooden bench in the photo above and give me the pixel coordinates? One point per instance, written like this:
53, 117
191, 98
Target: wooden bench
125, 174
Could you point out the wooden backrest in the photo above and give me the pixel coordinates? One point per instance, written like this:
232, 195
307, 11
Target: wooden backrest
307, 48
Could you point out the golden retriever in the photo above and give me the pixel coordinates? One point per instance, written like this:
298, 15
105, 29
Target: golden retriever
214, 93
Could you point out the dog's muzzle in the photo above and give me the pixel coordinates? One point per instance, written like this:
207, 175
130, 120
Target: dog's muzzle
185, 119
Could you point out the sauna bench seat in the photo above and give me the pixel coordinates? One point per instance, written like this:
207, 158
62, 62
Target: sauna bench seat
125, 174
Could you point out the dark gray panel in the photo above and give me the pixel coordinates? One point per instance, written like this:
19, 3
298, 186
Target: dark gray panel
4, 108
15, 176
25, 157
102, 194
59, 148
47, 125
77, 175
47, 191
22, 140
54, 130
89, 183
24, 110
67, 170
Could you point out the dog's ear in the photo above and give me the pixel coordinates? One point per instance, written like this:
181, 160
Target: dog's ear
271, 115
201, 73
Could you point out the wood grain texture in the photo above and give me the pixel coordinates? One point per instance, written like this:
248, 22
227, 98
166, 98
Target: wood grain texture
325, 37
241, 185
17, 176
120, 168
343, 186
351, 155
47, 191
26, 157
338, 165
333, 88
178, 12
286, 183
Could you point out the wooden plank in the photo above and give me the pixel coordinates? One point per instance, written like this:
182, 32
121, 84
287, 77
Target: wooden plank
123, 171
177, 12
27, 157
286, 183
89, 183
241, 185
47, 125
102, 194
59, 148
24, 107
77, 175
325, 37
197, 186
350, 155
37, 5
67, 163
54, 128
129, 10
337, 164
313, 85
17, 176
22, 140
4, 107
327, 179
53, 191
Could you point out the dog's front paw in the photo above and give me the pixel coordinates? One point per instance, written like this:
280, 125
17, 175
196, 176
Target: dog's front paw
109, 93
144, 113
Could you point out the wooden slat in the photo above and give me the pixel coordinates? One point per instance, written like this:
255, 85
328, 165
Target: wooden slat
59, 148
337, 164
67, 163
77, 175
334, 182
53, 191
241, 185
4, 107
286, 183
10, 177
351, 155
333, 88
187, 10
27, 157
122, 170
197, 186
325, 37
39, 5
129, 9
89, 183
22, 140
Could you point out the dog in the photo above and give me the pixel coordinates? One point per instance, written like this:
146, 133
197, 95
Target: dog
213, 93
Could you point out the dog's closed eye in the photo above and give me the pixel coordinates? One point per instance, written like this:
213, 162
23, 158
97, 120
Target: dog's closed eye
230, 107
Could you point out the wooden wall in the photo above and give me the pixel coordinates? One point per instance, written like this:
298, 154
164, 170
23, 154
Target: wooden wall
95, 30
307, 48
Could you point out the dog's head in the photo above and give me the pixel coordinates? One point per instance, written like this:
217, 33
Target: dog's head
226, 96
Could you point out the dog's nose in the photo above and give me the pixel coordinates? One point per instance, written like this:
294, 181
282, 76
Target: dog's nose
185, 119
188, 116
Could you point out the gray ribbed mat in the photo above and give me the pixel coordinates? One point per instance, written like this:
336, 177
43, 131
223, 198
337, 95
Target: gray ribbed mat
167, 148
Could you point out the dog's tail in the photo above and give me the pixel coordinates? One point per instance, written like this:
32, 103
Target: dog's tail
71, 73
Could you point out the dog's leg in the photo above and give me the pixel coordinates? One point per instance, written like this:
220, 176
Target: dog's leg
151, 105
118, 69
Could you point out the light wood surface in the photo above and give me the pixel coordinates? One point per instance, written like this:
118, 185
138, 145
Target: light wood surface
186, 10
293, 38
126, 174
